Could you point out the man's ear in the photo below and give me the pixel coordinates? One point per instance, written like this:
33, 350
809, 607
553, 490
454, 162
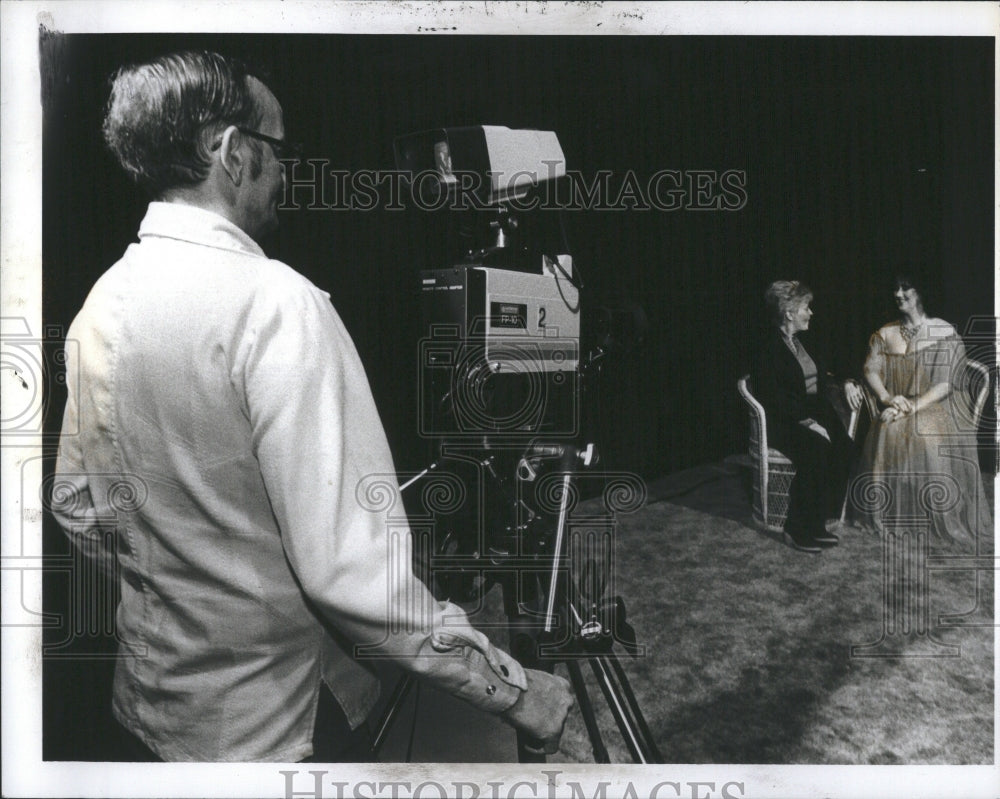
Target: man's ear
231, 155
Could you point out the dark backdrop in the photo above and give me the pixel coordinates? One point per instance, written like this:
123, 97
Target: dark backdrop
861, 155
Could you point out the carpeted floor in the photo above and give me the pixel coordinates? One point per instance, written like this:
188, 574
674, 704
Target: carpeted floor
757, 653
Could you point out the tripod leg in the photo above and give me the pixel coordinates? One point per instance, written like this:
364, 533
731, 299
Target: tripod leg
651, 749
399, 694
640, 746
587, 711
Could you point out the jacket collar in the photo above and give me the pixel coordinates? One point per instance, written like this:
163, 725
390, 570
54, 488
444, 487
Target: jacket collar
196, 225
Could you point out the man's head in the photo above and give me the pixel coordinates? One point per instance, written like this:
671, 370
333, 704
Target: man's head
189, 126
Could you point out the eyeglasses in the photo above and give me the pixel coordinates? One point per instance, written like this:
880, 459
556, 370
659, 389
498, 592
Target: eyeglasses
282, 149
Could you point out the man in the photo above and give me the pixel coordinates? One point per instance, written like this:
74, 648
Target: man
220, 394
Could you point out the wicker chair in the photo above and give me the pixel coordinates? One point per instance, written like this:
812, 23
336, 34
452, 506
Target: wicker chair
772, 470
977, 385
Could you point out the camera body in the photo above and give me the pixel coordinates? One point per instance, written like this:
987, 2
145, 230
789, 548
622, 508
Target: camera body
499, 361
503, 353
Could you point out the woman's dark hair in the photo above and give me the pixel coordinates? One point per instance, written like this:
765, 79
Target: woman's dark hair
917, 280
162, 116
782, 296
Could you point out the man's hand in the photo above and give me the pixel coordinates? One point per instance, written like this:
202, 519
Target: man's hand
541, 711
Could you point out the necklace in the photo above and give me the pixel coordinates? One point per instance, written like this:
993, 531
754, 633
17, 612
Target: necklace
909, 331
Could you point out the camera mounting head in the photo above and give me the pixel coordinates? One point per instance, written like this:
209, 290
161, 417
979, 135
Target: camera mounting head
491, 162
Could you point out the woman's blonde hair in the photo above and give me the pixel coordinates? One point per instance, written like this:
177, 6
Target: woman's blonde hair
784, 295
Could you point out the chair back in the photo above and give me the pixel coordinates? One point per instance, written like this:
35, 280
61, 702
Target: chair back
974, 387
758, 441
871, 403
770, 463
758, 419
977, 384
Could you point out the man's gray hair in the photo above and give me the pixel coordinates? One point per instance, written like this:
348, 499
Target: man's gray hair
164, 116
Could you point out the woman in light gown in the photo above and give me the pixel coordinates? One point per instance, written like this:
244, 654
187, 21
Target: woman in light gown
919, 460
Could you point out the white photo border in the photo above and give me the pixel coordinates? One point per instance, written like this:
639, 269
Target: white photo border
25, 773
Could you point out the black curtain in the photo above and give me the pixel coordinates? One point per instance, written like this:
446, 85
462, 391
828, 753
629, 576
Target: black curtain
859, 156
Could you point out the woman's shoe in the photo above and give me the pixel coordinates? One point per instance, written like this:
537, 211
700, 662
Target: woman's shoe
826, 539
801, 544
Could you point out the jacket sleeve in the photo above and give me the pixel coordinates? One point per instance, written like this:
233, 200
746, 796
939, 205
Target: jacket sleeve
321, 448
831, 385
774, 383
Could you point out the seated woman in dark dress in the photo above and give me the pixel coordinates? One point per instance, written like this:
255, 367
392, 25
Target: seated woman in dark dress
794, 387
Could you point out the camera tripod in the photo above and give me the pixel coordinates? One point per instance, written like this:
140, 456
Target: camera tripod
553, 614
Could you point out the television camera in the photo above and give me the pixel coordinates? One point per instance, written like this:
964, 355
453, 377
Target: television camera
502, 384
